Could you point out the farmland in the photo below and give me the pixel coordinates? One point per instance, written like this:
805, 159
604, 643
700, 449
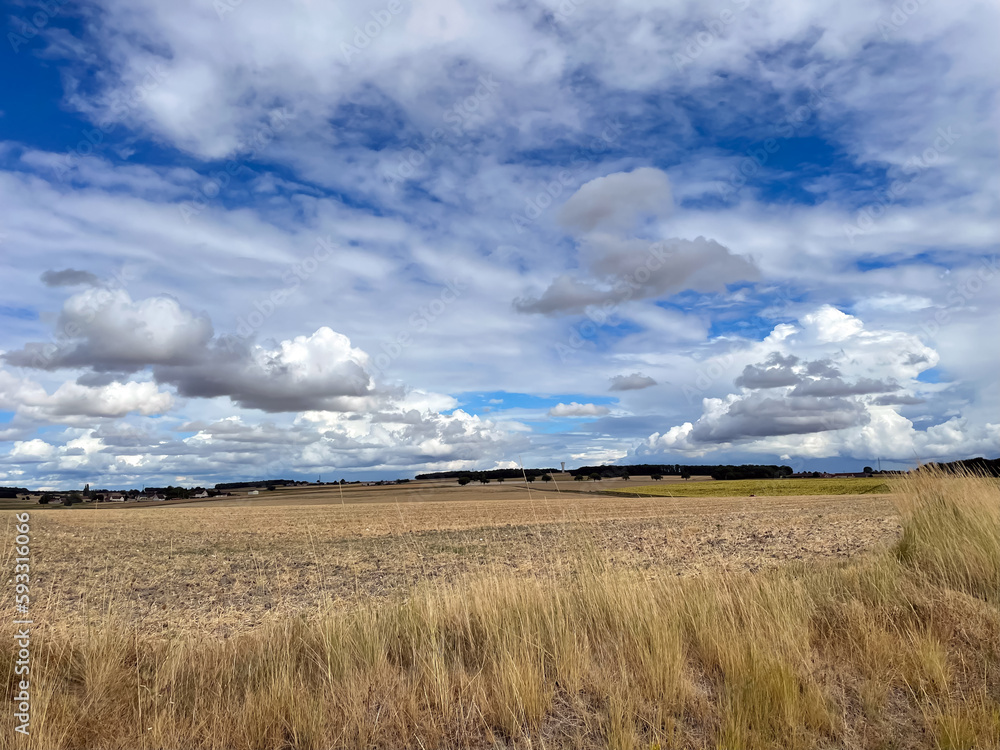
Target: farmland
485, 617
762, 487
225, 565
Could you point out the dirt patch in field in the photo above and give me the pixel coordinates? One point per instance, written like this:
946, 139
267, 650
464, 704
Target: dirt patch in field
222, 569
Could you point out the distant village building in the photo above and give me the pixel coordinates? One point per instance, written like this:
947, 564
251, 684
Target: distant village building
252, 492
149, 497
116, 498
203, 493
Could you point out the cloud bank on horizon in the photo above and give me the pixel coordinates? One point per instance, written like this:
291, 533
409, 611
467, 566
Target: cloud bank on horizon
249, 240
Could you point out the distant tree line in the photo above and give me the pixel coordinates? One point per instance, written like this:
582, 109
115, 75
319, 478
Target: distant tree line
258, 483
656, 471
751, 471
721, 471
985, 466
494, 474
7, 492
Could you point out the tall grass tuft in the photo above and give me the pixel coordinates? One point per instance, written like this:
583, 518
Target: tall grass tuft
951, 529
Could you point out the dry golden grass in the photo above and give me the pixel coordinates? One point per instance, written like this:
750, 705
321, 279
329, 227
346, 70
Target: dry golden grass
896, 648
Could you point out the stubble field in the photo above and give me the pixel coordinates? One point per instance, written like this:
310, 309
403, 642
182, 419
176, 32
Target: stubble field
225, 566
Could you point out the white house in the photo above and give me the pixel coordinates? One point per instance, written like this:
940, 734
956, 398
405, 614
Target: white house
252, 492
203, 493
115, 498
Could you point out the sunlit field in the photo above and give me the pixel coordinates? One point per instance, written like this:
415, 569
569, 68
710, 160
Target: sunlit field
860, 621
763, 487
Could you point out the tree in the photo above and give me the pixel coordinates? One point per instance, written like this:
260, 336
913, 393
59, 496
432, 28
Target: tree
500, 479
656, 477
45, 499
464, 481
578, 478
595, 477
685, 475
73, 497
484, 480
531, 477
86, 490
868, 470
546, 478
625, 477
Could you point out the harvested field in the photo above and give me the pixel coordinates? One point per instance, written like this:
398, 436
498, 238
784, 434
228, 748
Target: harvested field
226, 568
426, 491
763, 487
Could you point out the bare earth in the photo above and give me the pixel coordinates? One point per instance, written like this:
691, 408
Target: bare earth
223, 566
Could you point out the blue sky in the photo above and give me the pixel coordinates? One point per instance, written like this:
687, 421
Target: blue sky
289, 239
